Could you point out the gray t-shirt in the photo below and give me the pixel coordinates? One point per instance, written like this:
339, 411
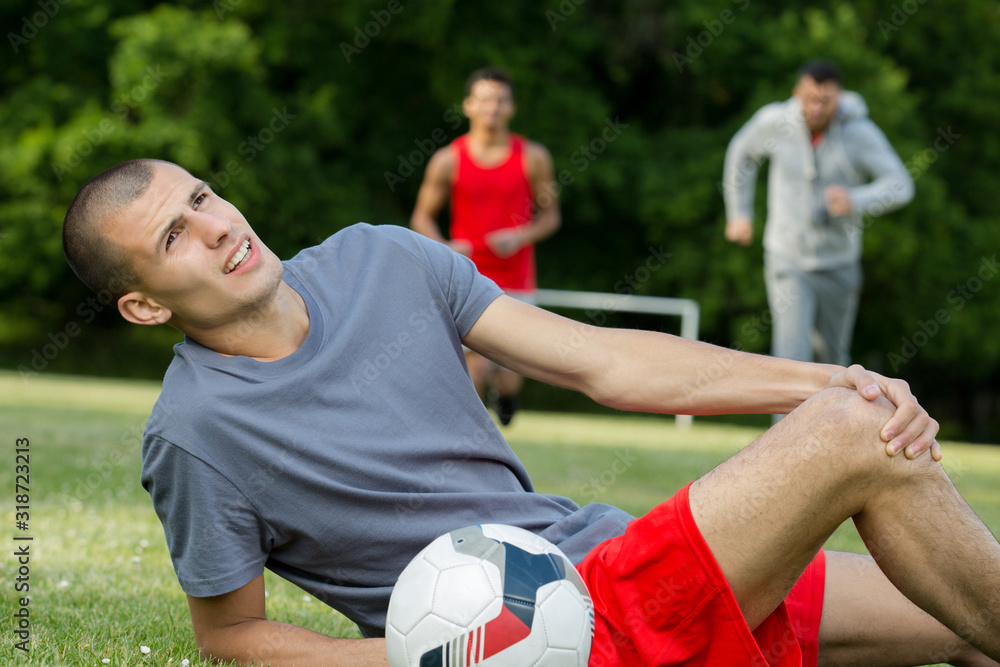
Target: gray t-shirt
333, 466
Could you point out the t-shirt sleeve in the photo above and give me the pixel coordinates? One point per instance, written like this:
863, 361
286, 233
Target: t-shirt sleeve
467, 291
216, 539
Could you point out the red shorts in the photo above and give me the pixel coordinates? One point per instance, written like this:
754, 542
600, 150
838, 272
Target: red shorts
660, 599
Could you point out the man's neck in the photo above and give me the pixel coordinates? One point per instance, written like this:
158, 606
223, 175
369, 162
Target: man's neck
268, 333
488, 137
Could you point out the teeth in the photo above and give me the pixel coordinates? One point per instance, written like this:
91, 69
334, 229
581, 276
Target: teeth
238, 258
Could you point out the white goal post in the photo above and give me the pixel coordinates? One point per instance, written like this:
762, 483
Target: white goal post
605, 302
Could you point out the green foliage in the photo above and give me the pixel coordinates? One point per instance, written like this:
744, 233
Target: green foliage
311, 117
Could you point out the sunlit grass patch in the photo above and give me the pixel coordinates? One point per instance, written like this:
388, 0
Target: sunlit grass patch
101, 582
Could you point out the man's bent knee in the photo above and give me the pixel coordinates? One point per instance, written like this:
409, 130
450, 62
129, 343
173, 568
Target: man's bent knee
848, 411
841, 422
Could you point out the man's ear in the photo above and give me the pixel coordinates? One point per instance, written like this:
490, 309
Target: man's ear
139, 308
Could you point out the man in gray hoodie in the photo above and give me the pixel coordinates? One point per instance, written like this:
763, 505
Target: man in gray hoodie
831, 168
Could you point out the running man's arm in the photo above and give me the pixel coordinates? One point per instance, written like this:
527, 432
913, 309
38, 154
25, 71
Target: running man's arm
892, 186
546, 219
654, 372
746, 152
234, 626
433, 195
543, 184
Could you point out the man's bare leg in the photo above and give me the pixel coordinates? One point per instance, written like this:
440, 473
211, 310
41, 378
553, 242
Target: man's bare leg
508, 383
480, 370
486, 374
766, 511
867, 621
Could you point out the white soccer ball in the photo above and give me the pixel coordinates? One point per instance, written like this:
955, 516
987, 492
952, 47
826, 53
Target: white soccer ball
490, 595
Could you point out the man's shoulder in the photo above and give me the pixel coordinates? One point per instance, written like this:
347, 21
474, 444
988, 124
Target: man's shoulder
358, 232
778, 111
853, 119
184, 402
775, 119
442, 162
851, 107
362, 231
361, 242
536, 150
538, 156
860, 132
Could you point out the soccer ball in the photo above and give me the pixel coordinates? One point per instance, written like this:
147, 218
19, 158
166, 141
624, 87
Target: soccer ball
490, 595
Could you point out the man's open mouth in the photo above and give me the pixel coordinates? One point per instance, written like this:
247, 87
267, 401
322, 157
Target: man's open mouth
241, 256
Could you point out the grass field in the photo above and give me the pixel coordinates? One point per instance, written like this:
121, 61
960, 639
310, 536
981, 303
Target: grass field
100, 578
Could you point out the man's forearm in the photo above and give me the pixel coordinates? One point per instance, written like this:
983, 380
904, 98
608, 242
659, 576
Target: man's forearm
887, 193
891, 186
739, 178
545, 224
261, 642
643, 371
653, 372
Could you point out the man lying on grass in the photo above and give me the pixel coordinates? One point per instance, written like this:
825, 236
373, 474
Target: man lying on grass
296, 432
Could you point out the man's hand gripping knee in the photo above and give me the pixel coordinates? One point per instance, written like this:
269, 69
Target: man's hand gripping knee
910, 429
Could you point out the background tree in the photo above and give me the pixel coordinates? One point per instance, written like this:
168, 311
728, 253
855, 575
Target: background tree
313, 116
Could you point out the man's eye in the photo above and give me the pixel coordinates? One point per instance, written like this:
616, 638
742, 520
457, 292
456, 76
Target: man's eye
170, 238
200, 198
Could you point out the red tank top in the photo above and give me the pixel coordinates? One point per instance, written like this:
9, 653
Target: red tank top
485, 199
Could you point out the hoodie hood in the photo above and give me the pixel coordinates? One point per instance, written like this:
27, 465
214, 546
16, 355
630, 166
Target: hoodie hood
851, 106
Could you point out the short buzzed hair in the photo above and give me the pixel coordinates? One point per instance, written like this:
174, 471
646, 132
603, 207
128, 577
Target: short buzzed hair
821, 71
498, 74
103, 265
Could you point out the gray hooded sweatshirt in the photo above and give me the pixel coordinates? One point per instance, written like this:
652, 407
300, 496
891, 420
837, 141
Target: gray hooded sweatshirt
854, 154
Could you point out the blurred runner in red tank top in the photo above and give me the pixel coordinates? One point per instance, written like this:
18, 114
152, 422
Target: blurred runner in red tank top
503, 201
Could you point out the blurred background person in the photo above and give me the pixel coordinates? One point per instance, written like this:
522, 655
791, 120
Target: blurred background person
831, 168
503, 201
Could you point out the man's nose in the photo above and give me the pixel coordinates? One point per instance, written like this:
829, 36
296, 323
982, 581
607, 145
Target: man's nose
213, 228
